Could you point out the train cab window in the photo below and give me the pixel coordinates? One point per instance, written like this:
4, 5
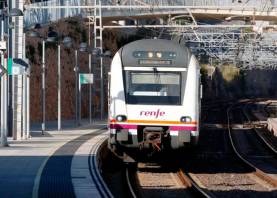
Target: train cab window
153, 88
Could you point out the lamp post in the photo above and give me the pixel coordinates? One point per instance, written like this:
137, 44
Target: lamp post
82, 48
67, 43
43, 88
76, 69
90, 87
59, 87
97, 53
91, 53
37, 35
52, 37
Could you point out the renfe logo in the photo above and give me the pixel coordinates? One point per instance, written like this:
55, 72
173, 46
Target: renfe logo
157, 113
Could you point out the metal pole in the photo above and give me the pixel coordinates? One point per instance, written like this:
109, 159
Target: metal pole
98, 28
28, 106
10, 78
101, 61
24, 113
102, 88
43, 88
4, 141
76, 87
59, 87
24, 136
90, 87
80, 102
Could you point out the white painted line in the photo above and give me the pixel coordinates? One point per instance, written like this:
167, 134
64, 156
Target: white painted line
84, 184
38, 175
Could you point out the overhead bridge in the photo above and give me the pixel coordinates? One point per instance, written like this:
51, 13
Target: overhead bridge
242, 42
43, 12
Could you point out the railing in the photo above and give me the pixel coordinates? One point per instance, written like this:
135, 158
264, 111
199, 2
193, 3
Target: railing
40, 15
217, 3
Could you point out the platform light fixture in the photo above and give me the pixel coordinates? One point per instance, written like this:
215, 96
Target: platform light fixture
15, 12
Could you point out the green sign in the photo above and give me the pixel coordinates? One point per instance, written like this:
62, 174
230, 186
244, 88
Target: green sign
17, 66
86, 78
10, 64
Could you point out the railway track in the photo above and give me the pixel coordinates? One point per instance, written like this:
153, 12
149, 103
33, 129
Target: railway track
268, 139
252, 153
270, 108
153, 180
213, 167
216, 166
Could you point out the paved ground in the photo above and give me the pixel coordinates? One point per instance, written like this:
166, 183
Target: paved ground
23, 165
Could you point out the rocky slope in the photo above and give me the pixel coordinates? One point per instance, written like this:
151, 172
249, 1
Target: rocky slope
75, 28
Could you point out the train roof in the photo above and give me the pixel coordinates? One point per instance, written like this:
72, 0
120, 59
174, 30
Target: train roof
181, 58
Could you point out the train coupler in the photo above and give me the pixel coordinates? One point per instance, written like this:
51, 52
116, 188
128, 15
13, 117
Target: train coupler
152, 138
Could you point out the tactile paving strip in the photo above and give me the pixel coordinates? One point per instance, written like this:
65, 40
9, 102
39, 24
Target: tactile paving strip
55, 179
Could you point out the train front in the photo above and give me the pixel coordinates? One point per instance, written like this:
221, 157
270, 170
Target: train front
154, 96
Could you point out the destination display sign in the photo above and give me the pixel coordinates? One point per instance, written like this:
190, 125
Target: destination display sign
154, 62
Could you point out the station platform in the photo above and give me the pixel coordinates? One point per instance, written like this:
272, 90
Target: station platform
41, 166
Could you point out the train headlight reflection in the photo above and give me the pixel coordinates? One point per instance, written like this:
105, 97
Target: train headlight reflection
121, 118
185, 119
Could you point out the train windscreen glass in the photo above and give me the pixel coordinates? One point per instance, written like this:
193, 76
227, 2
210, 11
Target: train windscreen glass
153, 88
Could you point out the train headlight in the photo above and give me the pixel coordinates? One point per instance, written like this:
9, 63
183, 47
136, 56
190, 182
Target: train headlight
159, 54
150, 54
121, 118
185, 119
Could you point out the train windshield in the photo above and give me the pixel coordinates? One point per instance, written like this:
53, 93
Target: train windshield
153, 88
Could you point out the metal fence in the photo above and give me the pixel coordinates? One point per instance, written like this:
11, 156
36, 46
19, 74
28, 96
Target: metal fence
133, 7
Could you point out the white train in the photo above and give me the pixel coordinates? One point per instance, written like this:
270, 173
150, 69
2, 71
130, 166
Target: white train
154, 96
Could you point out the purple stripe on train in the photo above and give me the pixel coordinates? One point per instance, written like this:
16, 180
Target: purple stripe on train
172, 128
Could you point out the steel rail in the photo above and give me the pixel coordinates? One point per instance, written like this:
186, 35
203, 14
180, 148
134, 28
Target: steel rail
188, 181
265, 108
259, 173
270, 147
129, 183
